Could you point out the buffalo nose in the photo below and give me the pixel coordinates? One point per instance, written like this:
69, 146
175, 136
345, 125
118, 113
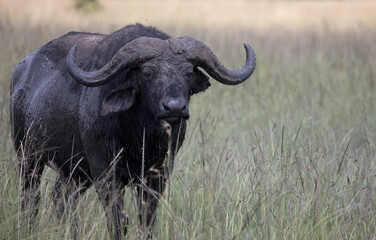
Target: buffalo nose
175, 106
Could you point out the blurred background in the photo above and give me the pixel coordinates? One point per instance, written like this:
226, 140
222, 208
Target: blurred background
289, 154
260, 15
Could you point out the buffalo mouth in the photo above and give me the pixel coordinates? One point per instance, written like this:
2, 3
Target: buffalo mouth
173, 120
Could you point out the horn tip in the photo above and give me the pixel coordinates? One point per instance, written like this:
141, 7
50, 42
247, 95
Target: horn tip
249, 49
71, 56
251, 56
73, 48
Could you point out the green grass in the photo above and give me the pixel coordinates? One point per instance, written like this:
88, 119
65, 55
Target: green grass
289, 154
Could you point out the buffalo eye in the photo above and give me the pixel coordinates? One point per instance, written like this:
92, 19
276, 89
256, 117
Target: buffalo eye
188, 71
147, 72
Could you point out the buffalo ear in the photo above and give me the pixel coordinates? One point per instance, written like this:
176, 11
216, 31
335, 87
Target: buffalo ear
118, 100
202, 82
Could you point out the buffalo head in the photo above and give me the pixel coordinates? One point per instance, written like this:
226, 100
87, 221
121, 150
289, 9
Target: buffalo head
164, 74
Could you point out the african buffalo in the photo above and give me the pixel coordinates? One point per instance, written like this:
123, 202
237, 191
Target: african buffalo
95, 108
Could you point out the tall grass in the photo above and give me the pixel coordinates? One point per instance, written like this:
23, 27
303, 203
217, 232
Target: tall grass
289, 154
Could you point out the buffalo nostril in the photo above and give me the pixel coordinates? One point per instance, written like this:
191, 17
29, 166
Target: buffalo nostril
174, 106
165, 107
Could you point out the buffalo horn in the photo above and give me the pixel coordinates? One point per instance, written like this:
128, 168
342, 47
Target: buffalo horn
202, 56
132, 53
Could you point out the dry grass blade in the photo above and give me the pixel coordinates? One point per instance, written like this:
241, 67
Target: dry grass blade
343, 157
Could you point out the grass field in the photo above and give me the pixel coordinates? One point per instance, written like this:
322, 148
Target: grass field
289, 154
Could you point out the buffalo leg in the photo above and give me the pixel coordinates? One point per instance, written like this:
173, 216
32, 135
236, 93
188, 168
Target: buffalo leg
31, 170
111, 194
148, 198
68, 193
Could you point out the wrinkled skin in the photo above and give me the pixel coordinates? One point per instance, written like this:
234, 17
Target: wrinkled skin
108, 136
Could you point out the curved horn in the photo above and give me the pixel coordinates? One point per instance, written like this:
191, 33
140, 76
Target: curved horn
132, 53
202, 56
